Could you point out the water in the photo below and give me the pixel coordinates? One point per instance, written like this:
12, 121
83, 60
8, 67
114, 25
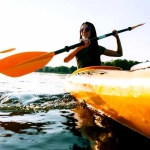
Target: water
36, 113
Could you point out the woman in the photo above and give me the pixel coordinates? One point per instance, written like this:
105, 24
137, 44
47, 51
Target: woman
89, 54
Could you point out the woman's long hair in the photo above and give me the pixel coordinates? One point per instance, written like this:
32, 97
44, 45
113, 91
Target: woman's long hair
93, 47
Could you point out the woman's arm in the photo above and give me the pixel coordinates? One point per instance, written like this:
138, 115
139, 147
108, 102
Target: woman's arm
72, 54
76, 50
119, 51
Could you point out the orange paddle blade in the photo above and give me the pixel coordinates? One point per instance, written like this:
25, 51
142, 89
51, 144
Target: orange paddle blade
28, 66
16, 59
8, 50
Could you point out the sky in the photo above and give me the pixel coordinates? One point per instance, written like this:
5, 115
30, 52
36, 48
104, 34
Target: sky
50, 25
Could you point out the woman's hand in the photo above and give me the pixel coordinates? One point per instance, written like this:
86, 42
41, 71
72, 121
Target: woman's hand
115, 33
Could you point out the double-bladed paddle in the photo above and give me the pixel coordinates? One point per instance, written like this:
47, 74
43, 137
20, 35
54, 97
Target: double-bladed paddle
26, 62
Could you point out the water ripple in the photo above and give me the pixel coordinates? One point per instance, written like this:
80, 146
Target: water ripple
33, 103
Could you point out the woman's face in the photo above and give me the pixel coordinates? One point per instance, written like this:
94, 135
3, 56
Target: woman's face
85, 31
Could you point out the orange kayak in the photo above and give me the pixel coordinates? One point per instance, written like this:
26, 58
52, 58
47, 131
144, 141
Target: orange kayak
122, 95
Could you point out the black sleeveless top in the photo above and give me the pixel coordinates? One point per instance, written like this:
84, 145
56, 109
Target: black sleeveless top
84, 59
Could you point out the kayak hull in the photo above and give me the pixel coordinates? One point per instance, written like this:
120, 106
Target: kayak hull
122, 95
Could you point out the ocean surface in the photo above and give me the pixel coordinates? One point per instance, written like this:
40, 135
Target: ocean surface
36, 113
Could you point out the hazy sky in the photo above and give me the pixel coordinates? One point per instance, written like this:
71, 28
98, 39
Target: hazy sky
49, 25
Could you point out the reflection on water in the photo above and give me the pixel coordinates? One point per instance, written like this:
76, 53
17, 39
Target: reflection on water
96, 129
38, 122
41, 131
106, 134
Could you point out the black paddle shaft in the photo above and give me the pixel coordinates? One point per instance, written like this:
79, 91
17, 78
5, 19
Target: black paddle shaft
67, 48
